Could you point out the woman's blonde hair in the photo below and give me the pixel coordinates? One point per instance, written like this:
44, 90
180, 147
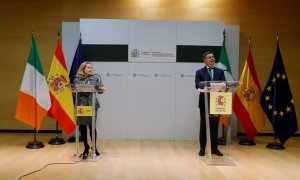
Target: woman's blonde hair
80, 72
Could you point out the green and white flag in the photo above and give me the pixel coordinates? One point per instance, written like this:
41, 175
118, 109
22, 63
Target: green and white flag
224, 63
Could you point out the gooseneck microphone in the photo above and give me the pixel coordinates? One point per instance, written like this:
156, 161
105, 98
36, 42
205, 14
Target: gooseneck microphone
100, 80
208, 71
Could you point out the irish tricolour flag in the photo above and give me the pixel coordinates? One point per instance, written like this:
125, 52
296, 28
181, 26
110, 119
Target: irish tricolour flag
34, 99
224, 63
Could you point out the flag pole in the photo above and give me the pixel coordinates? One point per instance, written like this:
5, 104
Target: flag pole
72, 138
249, 41
247, 141
222, 140
275, 145
57, 140
34, 144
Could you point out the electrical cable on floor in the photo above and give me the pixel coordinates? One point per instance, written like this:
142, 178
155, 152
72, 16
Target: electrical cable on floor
45, 167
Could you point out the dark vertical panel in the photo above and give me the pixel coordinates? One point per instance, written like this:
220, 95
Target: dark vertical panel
107, 53
187, 53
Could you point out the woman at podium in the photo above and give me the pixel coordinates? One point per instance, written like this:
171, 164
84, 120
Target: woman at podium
84, 76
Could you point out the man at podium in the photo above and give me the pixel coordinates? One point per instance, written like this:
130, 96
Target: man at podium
208, 73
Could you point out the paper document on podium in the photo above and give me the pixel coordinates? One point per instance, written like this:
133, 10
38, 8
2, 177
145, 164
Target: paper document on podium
217, 87
202, 90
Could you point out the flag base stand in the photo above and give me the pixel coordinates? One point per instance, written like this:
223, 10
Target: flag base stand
247, 142
73, 139
35, 145
275, 145
56, 141
222, 141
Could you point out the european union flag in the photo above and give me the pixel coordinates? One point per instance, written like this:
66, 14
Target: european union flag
277, 101
77, 60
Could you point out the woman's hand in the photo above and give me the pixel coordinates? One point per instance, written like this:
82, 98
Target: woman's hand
102, 89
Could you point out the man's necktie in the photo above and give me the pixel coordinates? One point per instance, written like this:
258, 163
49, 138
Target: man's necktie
210, 74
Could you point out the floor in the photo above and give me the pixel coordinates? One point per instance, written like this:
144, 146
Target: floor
136, 159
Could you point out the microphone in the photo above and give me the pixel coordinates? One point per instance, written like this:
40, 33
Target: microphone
206, 74
100, 85
100, 79
201, 85
208, 70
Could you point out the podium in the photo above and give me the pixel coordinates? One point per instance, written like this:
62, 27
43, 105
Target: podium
82, 111
218, 98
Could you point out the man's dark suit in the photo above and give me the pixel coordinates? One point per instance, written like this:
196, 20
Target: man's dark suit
203, 75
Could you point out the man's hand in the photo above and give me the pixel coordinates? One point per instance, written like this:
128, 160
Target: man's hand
208, 88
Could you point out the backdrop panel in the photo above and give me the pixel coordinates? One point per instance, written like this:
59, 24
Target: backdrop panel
104, 31
209, 33
187, 121
151, 102
112, 121
152, 41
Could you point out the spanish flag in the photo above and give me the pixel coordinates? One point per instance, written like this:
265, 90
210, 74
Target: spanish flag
34, 100
246, 104
62, 108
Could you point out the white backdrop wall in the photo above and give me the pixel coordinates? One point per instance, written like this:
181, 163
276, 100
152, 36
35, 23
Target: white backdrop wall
154, 100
